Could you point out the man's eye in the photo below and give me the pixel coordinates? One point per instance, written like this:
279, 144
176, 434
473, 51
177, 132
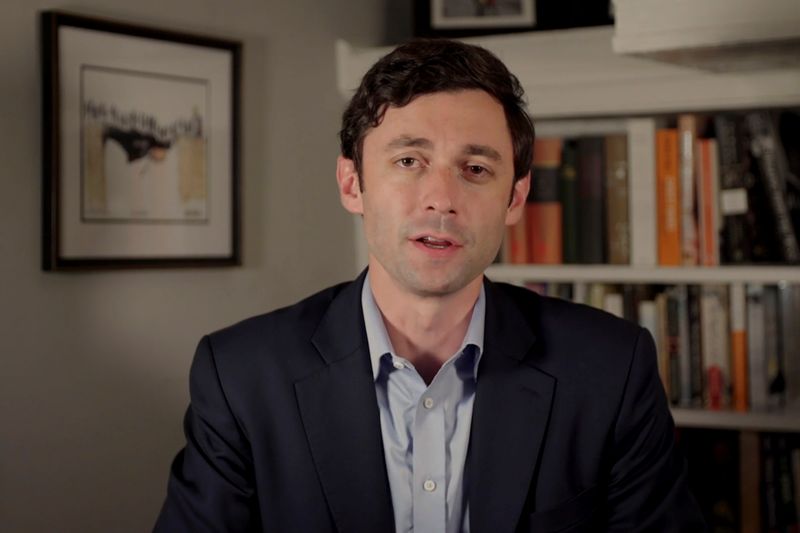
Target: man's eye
407, 162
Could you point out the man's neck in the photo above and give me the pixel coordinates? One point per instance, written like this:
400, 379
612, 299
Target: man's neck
425, 330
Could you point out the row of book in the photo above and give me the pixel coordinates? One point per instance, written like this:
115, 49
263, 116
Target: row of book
719, 346
691, 190
745, 481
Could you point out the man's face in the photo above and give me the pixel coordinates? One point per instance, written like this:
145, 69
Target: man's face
438, 175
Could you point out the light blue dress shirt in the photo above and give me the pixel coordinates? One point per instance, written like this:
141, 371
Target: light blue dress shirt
425, 429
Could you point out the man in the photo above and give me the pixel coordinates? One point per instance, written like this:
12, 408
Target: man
423, 397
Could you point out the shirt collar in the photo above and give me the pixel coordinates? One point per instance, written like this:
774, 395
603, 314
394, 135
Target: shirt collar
378, 337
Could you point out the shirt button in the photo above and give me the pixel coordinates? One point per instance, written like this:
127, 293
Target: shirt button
429, 485
398, 365
427, 403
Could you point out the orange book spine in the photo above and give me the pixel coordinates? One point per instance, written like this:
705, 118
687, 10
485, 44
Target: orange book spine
708, 189
543, 211
544, 232
668, 192
739, 360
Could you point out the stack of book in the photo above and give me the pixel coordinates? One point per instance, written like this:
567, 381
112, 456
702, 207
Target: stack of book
684, 191
719, 346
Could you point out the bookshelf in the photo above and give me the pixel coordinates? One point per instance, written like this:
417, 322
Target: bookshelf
592, 80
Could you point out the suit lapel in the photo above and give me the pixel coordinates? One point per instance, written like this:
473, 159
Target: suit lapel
342, 422
509, 419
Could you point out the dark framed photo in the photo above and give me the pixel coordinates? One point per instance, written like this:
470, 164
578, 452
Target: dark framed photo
140, 146
466, 18
458, 18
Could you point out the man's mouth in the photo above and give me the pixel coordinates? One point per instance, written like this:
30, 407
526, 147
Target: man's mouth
437, 244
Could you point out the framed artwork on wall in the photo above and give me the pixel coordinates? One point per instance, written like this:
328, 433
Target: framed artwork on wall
466, 18
140, 146
454, 18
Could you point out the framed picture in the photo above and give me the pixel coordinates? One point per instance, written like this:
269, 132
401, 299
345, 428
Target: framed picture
140, 146
465, 18
458, 18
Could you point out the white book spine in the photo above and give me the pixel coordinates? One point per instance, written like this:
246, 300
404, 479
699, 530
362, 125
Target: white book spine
642, 191
612, 303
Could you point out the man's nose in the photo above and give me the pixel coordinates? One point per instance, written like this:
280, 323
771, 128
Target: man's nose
440, 190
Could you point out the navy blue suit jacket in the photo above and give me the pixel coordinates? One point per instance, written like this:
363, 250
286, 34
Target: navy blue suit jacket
570, 431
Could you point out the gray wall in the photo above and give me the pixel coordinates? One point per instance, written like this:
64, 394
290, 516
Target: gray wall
93, 366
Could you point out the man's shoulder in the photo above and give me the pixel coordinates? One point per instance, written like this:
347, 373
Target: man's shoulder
292, 322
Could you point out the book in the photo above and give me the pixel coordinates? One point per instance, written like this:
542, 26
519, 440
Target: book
668, 198
695, 347
716, 353
687, 135
568, 195
789, 339
543, 211
756, 349
776, 384
773, 170
708, 202
591, 199
663, 341
750, 481
738, 343
616, 174
684, 346
734, 163
642, 192
673, 372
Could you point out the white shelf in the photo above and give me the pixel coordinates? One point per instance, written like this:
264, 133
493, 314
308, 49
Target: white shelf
715, 34
575, 73
699, 418
625, 274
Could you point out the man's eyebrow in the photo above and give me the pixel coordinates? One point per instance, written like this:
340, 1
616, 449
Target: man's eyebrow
483, 150
406, 141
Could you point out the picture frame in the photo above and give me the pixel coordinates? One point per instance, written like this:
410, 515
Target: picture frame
462, 18
140, 146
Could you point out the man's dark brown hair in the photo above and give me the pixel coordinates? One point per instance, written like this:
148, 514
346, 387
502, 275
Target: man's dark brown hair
428, 66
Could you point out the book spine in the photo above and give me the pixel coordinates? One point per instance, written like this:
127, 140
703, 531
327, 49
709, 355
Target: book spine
687, 132
715, 346
642, 192
616, 159
668, 198
568, 194
663, 341
733, 170
776, 384
708, 201
756, 355
738, 346
673, 347
684, 346
773, 170
591, 186
544, 209
750, 481
789, 297
695, 347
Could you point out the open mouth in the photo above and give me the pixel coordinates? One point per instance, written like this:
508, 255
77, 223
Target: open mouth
436, 244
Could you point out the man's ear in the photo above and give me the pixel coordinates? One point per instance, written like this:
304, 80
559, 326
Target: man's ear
519, 195
349, 186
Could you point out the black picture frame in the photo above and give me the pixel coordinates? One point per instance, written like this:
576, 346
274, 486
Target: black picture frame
140, 146
548, 15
